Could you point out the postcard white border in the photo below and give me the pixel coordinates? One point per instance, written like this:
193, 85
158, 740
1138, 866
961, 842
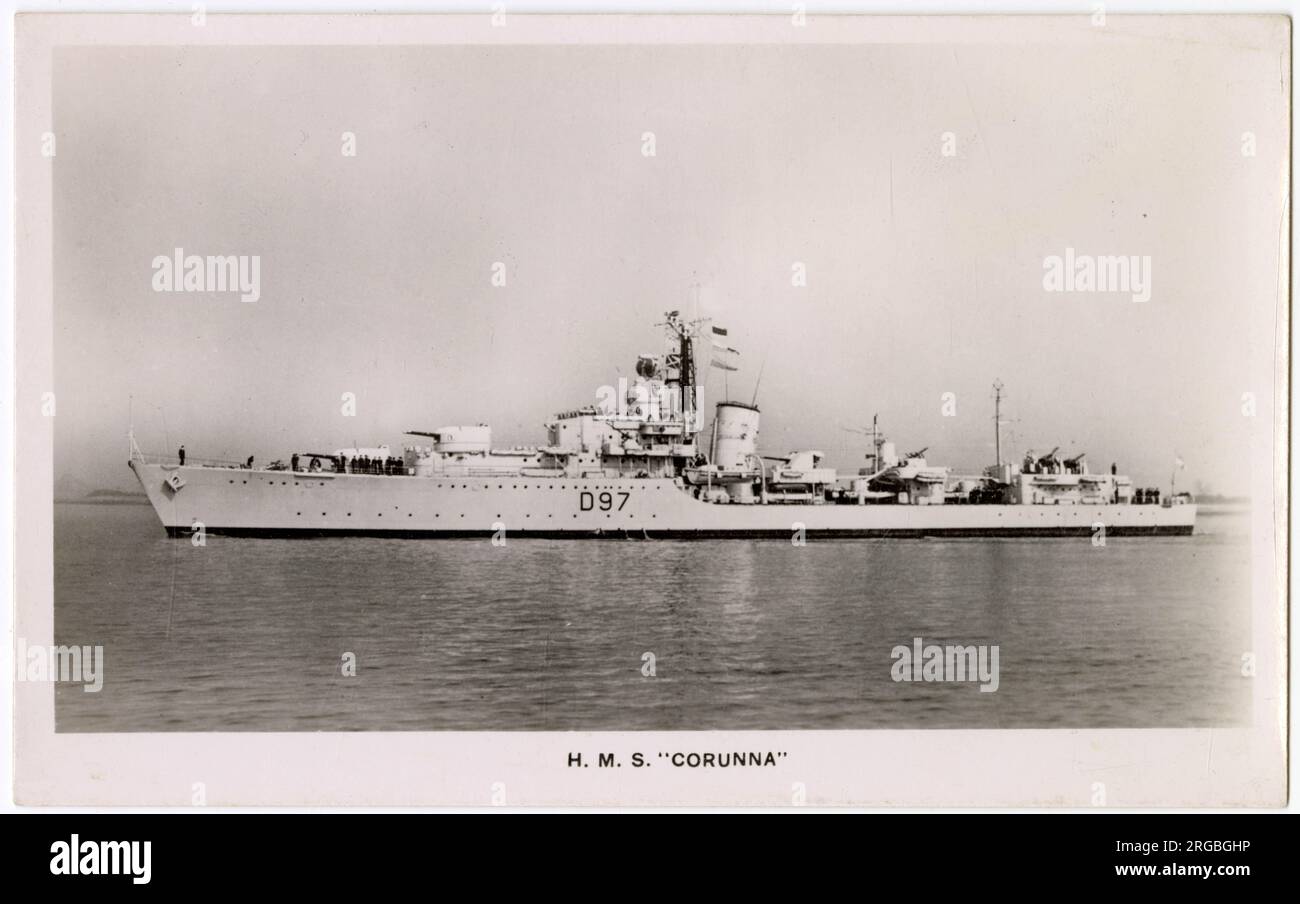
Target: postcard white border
931, 768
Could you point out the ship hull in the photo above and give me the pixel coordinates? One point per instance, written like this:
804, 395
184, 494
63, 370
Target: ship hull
247, 503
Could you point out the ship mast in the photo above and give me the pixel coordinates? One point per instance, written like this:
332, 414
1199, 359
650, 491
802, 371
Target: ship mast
684, 332
997, 420
687, 382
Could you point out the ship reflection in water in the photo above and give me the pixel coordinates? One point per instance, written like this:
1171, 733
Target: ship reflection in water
552, 634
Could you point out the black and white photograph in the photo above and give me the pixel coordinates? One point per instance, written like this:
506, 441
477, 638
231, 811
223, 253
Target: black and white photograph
652, 410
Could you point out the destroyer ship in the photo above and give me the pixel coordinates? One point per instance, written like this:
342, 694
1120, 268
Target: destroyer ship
639, 465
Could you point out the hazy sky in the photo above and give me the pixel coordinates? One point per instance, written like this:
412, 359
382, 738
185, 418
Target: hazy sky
924, 271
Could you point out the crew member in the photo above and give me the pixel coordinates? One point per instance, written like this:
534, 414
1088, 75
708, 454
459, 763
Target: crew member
293, 462
181, 455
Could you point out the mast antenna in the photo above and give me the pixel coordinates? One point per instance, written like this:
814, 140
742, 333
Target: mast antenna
754, 401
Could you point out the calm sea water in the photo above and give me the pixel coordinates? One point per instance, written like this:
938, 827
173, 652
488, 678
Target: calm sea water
250, 634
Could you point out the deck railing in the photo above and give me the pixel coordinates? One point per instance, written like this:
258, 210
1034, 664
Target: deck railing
304, 463
191, 461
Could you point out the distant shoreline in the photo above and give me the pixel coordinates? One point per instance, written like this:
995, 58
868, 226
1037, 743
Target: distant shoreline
105, 497
1222, 508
